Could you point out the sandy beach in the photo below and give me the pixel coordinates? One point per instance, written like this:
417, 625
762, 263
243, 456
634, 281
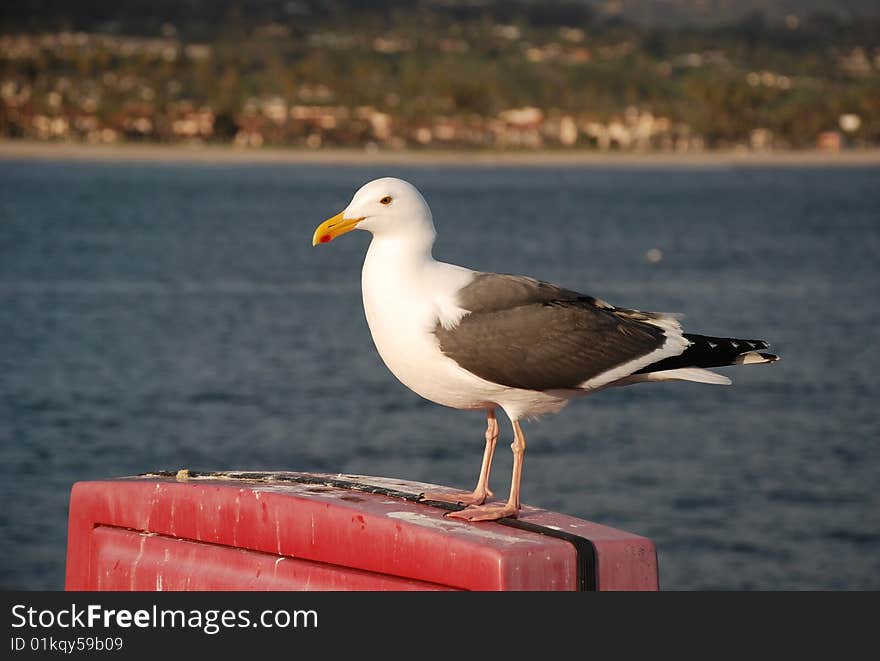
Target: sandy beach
21, 149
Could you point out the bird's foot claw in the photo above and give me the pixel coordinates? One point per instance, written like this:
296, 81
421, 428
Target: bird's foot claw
472, 498
485, 512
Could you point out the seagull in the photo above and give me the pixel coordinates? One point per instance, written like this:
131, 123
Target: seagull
475, 340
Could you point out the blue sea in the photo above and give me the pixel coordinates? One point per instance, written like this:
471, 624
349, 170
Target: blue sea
162, 316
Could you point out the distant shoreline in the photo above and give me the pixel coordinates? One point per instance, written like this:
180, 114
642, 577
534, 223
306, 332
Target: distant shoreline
20, 149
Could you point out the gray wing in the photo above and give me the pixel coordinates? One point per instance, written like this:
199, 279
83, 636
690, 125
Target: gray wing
528, 334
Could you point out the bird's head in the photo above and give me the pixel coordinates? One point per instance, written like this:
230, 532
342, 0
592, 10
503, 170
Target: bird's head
385, 207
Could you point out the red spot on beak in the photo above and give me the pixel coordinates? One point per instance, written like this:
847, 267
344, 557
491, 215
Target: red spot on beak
326, 238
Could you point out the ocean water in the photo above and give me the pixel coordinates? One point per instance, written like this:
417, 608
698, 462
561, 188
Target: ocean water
159, 316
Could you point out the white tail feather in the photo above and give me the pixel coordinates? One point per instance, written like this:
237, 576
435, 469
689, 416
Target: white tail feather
695, 374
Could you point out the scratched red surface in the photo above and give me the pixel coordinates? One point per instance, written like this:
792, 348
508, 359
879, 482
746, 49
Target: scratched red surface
232, 534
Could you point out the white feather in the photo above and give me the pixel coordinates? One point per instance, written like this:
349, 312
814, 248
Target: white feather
694, 374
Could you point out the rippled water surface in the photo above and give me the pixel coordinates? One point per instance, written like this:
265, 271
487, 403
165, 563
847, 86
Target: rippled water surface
163, 316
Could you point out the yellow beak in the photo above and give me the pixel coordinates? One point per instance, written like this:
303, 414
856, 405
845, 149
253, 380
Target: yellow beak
333, 227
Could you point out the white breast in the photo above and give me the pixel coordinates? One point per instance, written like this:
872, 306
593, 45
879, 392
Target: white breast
404, 298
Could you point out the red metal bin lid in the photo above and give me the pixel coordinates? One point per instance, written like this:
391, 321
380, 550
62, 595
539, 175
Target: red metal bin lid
287, 530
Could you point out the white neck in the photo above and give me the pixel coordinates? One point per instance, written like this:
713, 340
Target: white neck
403, 254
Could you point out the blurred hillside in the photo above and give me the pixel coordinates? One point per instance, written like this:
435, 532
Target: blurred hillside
204, 18
716, 12
609, 74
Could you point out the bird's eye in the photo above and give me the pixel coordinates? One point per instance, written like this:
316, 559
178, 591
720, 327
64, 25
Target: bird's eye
385, 200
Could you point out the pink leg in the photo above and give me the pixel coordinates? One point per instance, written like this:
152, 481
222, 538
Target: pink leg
482, 512
481, 492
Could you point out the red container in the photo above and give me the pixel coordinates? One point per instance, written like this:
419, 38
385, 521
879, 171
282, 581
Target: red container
307, 531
